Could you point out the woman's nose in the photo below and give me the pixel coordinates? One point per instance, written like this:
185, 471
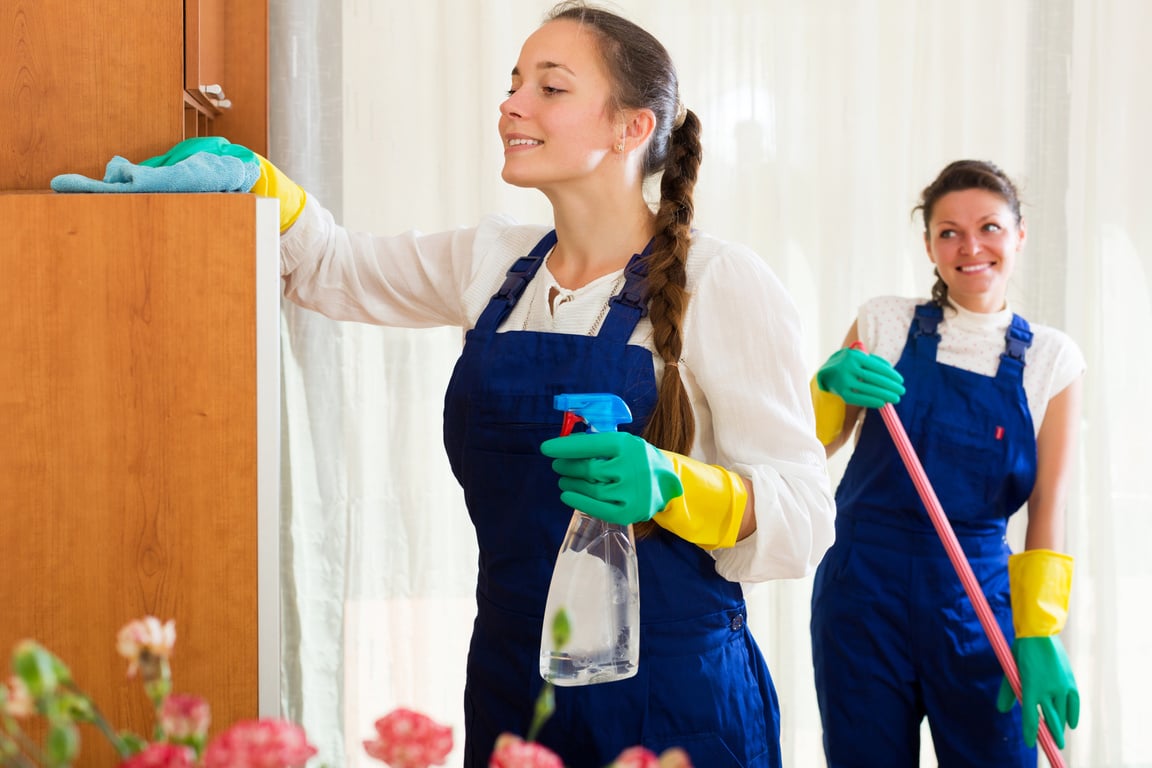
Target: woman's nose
511, 106
970, 244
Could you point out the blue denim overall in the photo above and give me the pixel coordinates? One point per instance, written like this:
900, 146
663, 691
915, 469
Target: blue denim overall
894, 636
702, 682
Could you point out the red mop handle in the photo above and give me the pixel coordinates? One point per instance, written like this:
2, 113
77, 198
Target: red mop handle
963, 568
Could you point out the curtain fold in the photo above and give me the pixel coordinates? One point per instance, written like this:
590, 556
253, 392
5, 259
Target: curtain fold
822, 122
1109, 306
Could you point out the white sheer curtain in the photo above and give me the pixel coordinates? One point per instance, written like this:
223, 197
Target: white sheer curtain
822, 122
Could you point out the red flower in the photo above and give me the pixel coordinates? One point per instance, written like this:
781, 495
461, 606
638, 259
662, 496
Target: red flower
513, 752
407, 739
162, 755
267, 743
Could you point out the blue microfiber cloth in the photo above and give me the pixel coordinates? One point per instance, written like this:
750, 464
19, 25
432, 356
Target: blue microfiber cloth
200, 172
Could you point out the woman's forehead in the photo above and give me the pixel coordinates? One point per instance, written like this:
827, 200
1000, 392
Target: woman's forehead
561, 44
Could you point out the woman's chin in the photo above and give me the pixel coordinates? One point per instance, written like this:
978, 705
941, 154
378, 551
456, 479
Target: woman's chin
515, 179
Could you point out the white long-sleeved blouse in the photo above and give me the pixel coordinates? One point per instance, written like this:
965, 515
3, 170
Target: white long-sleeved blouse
741, 363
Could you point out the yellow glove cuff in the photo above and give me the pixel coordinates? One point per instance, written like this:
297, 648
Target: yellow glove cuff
712, 507
830, 411
273, 183
1040, 581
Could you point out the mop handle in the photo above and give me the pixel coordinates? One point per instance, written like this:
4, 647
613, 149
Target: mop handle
963, 568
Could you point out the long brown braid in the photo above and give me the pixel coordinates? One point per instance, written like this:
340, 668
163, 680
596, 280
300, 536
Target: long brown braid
673, 425
644, 77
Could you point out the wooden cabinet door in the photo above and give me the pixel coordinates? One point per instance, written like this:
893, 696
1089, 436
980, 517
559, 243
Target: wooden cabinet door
226, 69
140, 413
82, 82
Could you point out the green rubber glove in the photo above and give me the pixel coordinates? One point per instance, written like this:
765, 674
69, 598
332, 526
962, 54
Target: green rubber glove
216, 145
861, 379
1040, 582
272, 181
615, 476
1046, 685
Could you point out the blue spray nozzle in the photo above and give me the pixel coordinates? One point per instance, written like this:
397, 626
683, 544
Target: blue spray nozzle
601, 410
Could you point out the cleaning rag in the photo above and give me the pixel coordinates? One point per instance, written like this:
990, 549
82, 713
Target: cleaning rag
199, 172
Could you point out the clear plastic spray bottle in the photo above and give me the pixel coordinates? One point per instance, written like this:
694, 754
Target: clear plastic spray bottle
596, 580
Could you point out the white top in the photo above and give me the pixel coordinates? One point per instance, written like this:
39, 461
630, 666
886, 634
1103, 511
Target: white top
741, 364
974, 342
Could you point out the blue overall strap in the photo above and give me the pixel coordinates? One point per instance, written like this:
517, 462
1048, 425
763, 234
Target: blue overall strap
1017, 340
923, 329
629, 305
515, 281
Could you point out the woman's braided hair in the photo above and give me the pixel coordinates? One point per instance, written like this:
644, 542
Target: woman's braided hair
644, 77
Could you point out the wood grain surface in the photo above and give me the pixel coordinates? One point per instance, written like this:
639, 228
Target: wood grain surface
128, 450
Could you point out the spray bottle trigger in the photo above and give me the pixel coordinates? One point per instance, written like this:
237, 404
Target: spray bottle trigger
571, 419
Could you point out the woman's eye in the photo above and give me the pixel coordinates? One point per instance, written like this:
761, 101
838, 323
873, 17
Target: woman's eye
992, 227
946, 234
551, 91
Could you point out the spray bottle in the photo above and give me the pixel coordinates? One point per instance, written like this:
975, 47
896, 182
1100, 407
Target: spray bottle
596, 580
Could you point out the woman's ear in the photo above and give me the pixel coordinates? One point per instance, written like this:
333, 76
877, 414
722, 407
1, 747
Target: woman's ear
637, 126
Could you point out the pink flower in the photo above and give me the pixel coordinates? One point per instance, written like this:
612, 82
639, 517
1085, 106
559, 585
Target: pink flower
513, 752
162, 755
639, 757
266, 743
145, 639
185, 717
18, 701
407, 739
636, 757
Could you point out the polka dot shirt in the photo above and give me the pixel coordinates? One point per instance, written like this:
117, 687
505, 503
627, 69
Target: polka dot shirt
974, 341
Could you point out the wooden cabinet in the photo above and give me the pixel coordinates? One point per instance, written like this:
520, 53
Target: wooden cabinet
139, 377
83, 82
139, 398
226, 71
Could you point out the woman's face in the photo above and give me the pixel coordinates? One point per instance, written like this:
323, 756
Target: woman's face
973, 240
556, 124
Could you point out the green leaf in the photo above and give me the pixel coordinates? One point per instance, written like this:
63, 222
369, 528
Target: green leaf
63, 743
60, 669
132, 742
33, 664
77, 707
561, 629
545, 706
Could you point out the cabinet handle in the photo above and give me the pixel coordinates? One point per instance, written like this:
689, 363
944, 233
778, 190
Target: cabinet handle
215, 94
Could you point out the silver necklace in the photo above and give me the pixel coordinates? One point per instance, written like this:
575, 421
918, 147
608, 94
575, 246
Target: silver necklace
617, 284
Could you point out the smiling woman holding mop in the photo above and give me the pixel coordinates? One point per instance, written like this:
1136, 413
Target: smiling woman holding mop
991, 405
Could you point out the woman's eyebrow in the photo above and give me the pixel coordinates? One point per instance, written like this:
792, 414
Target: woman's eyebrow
545, 65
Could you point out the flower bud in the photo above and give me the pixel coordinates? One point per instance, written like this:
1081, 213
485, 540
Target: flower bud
147, 642
15, 699
184, 717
